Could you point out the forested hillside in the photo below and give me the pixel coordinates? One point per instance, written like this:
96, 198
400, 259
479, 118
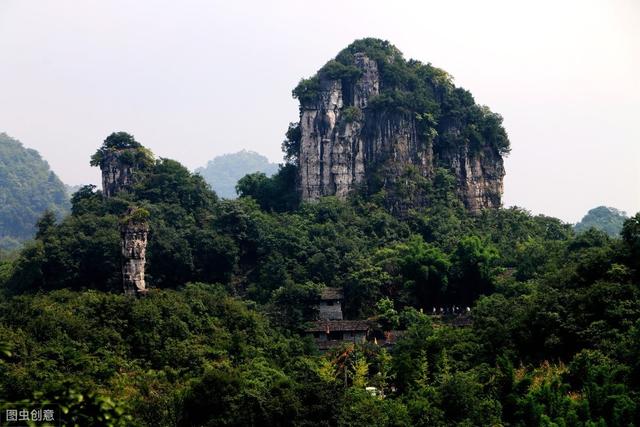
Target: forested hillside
609, 220
554, 336
224, 172
27, 188
474, 316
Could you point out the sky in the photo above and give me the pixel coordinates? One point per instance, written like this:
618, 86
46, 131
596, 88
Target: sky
193, 79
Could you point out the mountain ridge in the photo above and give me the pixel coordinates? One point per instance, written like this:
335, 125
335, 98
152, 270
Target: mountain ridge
28, 188
223, 172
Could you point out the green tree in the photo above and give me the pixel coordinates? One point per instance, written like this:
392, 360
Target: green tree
134, 152
609, 220
223, 172
276, 193
473, 270
28, 189
419, 271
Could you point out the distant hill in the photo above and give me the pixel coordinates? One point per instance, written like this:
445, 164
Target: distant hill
603, 218
223, 172
27, 188
72, 189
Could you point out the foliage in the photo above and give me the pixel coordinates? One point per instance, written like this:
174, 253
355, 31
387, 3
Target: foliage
418, 272
291, 145
277, 193
132, 152
223, 172
28, 188
307, 90
335, 70
445, 115
551, 336
145, 353
473, 265
388, 317
351, 114
609, 220
136, 216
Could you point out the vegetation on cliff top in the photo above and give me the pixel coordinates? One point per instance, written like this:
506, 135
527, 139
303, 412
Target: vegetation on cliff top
414, 89
130, 151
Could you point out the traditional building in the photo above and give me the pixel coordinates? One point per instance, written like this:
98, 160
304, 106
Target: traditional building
330, 307
333, 333
331, 330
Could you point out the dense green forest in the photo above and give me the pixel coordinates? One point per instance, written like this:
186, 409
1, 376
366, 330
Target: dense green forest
27, 189
551, 330
609, 220
223, 172
554, 337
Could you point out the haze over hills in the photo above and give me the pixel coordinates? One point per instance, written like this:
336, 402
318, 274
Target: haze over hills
223, 172
603, 218
27, 189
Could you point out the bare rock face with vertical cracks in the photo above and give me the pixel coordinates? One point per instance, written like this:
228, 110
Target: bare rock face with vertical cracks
372, 120
134, 232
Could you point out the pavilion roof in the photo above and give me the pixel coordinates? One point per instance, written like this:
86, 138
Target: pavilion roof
339, 325
331, 294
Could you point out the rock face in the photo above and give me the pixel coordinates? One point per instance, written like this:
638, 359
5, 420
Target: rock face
120, 159
332, 157
117, 175
134, 248
117, 171
347, 144
480, 177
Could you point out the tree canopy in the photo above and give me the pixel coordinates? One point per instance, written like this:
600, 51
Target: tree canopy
134, 152
609, 220
551, 333
419, 90
28, 188
223, 172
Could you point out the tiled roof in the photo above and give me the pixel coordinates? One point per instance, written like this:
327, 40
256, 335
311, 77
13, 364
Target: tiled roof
339, 325
331, 294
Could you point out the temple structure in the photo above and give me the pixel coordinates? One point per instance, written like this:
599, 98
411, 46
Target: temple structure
330, 330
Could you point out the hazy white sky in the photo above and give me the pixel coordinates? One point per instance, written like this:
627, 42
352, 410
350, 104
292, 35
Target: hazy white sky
192, 79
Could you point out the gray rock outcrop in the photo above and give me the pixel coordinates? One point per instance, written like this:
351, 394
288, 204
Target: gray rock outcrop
117, 171
134, 233
346, 144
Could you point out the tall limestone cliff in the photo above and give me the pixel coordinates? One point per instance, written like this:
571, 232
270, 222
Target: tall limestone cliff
370, 119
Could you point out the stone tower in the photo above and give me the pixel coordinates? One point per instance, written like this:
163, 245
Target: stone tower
134, 233
330, 306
